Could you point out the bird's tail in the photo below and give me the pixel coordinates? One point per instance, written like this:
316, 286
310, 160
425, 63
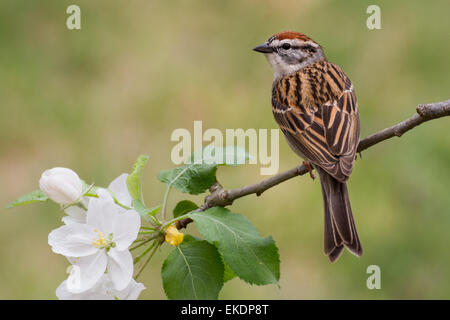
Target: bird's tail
340, 229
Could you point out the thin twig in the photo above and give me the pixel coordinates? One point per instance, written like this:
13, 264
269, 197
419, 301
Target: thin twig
221, 197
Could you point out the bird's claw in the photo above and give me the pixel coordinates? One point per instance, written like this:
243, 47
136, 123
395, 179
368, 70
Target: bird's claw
308, 166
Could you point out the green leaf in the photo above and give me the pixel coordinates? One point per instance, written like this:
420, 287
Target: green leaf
188, 237
134, 183
197, 176
229, 155
252, 258
193, 270
190, 178
35, 196
89, 190
228, 274
184, 207
153, 210
147, 213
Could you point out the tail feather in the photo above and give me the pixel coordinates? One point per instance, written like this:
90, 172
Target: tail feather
340, 229
335, 253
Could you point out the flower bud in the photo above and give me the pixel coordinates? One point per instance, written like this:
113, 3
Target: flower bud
62, 185
173, 236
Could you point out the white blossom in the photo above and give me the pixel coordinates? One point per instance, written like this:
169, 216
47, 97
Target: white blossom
120, 190
118, 187
61, 185
100, 244
102, 290
76, 213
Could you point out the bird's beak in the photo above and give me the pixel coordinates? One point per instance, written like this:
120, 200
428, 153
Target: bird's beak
264, 48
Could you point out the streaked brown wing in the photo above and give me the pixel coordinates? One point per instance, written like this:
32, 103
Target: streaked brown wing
305, 134
327, 138
341, 125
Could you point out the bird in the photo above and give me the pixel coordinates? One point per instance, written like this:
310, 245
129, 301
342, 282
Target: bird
314, 104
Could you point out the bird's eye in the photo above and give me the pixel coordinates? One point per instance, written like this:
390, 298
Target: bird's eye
286, 46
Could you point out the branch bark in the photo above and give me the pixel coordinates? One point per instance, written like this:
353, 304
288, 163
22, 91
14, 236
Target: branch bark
221, 197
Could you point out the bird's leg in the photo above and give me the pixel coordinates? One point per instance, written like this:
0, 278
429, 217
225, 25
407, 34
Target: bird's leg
308, 166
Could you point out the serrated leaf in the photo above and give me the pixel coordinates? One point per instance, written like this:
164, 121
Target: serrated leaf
190, 178
35, 196
252, 258
228, 155
134, 183
193, 270
183, 207
228, 274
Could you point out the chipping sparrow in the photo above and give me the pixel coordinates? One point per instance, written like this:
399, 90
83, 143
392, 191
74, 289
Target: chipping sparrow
314, 104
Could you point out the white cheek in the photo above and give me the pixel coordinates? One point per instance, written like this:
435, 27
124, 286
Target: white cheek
280, 68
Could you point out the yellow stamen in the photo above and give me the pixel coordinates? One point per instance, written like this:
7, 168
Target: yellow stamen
101, 241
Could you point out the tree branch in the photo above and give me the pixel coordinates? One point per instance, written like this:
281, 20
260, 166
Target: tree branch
221, 197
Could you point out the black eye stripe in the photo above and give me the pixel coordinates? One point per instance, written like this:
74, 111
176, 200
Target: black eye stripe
287, 46
305, 47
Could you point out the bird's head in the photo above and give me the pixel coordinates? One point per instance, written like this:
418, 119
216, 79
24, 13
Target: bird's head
290, 51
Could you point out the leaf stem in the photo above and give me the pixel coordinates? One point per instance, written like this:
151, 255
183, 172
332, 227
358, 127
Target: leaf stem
146, 261
168, 223
142, 242
139, 257
166, 196
169, 186
121, 205
82, 206
145, 232
148, 228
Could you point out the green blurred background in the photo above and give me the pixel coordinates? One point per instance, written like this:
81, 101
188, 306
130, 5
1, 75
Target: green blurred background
94, 99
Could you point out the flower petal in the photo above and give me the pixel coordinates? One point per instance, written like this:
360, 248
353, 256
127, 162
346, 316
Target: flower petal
102, 212
120, 189
87, 272
120, 268
108, 217
173, 236
73, 240
95, 293
99, 291
62, 185
131, 292
102, 290
125, 229
75, 214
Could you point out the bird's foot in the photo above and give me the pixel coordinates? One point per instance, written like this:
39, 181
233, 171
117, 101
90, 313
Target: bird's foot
308, 166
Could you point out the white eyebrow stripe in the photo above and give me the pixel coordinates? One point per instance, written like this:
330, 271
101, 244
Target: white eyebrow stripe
275, 43
312, 44
294, 42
